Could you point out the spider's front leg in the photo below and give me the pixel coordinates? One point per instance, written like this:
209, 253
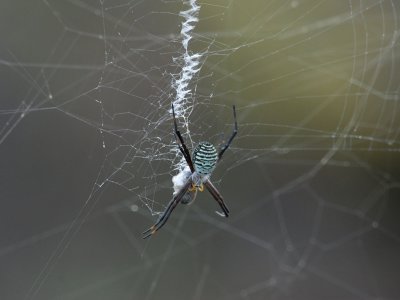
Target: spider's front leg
181, 143
234, 133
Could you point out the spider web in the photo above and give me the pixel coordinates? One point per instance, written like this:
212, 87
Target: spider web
88, 150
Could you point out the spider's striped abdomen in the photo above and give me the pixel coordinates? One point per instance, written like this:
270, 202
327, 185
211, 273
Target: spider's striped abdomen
205, 158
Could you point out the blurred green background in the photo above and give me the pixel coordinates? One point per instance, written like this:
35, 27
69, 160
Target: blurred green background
87, 150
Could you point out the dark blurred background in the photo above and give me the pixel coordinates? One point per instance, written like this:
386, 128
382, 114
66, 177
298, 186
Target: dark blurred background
87, 150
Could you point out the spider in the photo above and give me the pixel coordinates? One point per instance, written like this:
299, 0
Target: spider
202, 163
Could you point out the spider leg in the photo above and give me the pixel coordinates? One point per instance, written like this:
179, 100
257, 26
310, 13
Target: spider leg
235, 131
182, 146
218, 197
166, 214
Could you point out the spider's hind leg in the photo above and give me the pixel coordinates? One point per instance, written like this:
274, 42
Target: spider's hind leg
167, 213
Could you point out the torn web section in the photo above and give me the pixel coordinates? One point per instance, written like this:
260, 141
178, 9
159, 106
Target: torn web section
128, 102
155, 142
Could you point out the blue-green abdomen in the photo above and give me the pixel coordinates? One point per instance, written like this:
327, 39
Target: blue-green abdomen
205, 158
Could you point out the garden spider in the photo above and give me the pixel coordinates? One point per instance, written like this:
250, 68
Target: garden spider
205, 158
